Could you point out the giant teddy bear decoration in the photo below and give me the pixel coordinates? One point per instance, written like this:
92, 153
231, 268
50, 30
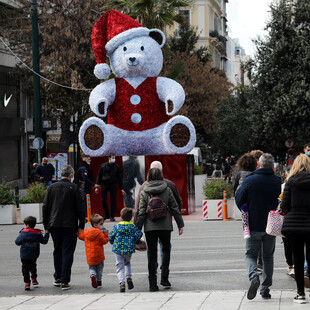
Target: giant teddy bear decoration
137, 102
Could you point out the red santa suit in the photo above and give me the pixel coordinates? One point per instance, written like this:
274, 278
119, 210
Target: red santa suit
137, 109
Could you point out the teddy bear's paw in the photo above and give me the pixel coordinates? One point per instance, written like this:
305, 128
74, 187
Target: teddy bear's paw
179, 135
93, 137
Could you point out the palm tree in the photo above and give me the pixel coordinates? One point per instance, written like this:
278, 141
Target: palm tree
151, 13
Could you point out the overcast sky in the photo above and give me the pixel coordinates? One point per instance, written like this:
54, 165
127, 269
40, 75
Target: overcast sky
246, 20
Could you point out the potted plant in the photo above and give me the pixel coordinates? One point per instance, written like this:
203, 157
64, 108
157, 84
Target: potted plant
7, 204
32, 202
212, 207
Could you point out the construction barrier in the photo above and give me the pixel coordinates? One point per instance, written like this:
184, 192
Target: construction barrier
88, 208
212, 209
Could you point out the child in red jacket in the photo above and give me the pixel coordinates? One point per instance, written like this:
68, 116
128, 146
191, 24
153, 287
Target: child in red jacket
94, 239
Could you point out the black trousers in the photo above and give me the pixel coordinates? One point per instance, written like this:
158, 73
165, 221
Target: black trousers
152, 241
288, 251
104, 194
29, 266
64, 246
298, 243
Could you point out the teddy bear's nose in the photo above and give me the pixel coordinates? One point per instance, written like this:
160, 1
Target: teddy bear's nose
132, 59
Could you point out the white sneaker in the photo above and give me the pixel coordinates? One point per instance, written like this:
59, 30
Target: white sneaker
246, 232
300, 299
290, 272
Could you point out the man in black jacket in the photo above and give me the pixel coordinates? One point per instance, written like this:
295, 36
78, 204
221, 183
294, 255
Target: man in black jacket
109, 173
63, 214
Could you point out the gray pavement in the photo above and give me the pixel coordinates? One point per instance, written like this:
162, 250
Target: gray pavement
207, 272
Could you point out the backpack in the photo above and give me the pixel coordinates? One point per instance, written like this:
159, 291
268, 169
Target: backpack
156, 208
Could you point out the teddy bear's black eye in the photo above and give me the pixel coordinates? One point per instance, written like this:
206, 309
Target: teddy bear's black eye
142, 48
125, 48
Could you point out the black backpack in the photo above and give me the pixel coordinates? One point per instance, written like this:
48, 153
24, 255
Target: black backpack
156, 208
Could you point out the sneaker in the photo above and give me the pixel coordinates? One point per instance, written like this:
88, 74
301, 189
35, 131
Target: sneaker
253, 288
259, 269
122, 288
112, 219
290, 272
165, 283
65, 286
35, 283
300, 299
93, 280
265, 294
130, 284
154, 288
246, 232
57, 282
99, 284
27, 286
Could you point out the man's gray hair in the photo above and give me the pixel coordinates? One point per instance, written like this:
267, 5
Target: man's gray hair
156, 164
266, 161
44, 158
66, 171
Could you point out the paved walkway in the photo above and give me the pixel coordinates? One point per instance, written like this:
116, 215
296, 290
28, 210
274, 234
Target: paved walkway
203, 300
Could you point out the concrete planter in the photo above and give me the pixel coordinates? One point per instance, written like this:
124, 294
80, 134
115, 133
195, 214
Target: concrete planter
33, 209
7, 214
212, 209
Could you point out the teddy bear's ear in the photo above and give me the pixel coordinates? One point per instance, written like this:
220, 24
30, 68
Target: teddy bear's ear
158, 36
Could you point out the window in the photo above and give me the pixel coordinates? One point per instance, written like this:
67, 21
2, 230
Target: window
185, 13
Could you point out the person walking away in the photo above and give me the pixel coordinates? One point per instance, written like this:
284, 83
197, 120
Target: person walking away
29, 240
63, 214
296, 225
95, 238
246, 164
109, 173
124, 237
44, 172
260, 191
85, 178
160, 228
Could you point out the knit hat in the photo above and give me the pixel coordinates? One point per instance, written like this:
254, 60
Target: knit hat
112, 29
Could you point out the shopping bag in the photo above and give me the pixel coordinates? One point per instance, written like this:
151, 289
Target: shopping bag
141, 246
274, 223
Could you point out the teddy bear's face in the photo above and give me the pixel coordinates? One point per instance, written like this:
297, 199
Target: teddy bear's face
141, 56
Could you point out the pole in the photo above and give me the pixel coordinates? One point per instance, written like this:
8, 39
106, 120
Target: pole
225, 206
88, 208
36, 79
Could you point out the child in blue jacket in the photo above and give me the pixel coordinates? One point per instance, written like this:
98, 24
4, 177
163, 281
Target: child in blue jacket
29, 239
124, 237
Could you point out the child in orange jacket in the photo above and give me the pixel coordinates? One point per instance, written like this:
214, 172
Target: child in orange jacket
94, 239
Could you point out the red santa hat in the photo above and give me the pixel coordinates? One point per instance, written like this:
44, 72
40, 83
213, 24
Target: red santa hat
112, 29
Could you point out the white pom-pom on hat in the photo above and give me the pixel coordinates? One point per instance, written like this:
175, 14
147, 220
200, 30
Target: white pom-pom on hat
102, 71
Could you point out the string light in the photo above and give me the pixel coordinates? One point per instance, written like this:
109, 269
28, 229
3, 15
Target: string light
42, 77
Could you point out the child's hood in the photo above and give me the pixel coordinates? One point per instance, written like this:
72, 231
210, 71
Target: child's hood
30, 233
92, 233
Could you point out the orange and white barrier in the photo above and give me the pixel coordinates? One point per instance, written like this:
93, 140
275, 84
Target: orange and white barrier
88, 208
212, 209
225, 206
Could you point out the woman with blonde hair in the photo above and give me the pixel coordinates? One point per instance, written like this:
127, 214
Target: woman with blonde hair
296, 226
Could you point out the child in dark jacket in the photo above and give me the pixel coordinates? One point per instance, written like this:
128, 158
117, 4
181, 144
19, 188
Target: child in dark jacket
124, 237
29, 239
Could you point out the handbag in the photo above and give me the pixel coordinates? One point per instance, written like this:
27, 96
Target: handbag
141, 246
274, 223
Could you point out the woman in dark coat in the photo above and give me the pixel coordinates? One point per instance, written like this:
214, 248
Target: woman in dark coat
160, 228
296, 226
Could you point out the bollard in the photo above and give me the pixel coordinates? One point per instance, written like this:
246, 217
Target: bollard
88, 208
225, 206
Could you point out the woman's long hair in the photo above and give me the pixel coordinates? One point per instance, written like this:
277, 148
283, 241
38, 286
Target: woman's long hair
301, 163
154, 174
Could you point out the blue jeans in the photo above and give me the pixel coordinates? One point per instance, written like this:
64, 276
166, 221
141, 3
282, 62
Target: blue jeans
122, 262
96, 270
253, 245
64, 239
